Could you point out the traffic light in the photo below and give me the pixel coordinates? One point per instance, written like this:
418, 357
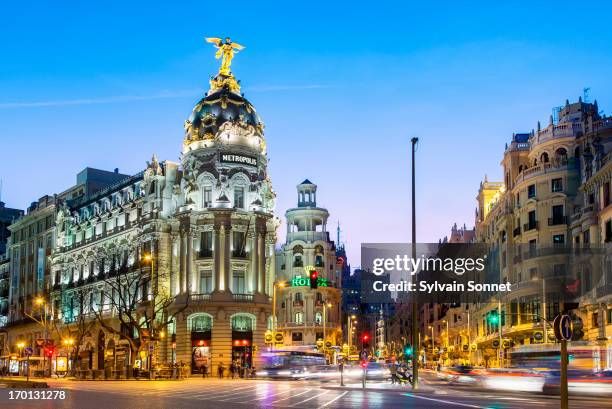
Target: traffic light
49, 351
408, 350
493, 318
365, 337
364, 364
314, 279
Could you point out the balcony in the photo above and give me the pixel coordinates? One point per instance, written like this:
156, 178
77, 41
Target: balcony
516, 232
533, 225
242, 297
298, 303
199, 297
558, 220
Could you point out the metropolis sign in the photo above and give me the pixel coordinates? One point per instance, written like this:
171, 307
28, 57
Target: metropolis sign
238, 159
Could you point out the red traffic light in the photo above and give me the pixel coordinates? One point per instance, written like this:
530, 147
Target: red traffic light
365, 337
49, 351
364, 364
314, 274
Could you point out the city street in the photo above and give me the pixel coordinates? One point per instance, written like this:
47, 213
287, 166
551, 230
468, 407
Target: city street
218, 394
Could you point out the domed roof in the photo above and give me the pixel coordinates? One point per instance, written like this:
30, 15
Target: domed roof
222, 104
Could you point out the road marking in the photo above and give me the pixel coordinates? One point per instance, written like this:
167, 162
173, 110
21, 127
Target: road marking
292, 396
467, 405
311, 398
334, 399
269, 396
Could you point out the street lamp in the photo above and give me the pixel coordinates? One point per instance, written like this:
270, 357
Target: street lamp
415, 324
325, 306
280, 284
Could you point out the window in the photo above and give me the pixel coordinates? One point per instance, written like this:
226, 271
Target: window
296, 336
206, 282
239, 197
297, 297
606, 194
242, 323
557, 215
238, 282
207, 196
532, 223
318, 318
609, 316
206, 244
299, 317
558, 238
238, 244
586, 237
595, 320
557, 185
531, 191
608, 237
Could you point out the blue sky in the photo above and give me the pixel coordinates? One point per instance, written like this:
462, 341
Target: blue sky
341, 86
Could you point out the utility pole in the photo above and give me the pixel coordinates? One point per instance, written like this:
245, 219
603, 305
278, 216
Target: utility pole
415, 326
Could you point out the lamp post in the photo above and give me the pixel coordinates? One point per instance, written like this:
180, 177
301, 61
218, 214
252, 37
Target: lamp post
41, 303
69, 342
20, 346
280, 284
325, 306
415, 327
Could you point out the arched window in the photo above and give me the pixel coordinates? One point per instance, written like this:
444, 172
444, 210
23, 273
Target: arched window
243, 322
544, 157
318, 318
299, 317
199, 322
298, 297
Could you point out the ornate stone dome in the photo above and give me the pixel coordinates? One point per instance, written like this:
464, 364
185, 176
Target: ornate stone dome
222, 105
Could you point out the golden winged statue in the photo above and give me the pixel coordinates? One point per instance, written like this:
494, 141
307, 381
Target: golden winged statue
225, 50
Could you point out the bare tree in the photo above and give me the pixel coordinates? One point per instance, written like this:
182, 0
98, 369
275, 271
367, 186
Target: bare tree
79, 321
136, 296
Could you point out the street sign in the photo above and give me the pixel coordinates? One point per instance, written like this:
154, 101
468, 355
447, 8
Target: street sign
28, 351
328, 344
279, 338
563, 327
268, 338
538, 336
466, 347
473, 347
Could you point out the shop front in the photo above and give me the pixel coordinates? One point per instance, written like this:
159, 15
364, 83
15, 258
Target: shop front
242, 341
200, 326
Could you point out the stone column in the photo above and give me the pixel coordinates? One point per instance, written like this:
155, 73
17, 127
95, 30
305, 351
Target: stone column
227, 274
261, 245
217, 256
181, 256
254, 262
189, 258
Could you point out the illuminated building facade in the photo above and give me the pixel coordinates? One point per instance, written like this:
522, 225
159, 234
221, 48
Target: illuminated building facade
185, 251
305, 315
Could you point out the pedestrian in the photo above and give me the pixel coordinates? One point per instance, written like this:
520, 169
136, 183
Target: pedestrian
232, 369
220, 369
393, 371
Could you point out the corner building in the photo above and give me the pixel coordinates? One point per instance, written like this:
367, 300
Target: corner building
204, 229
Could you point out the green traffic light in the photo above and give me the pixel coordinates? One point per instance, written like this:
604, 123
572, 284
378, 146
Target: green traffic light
493, 318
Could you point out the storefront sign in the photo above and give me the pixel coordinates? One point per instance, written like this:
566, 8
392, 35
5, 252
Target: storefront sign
238, 159
299, 281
